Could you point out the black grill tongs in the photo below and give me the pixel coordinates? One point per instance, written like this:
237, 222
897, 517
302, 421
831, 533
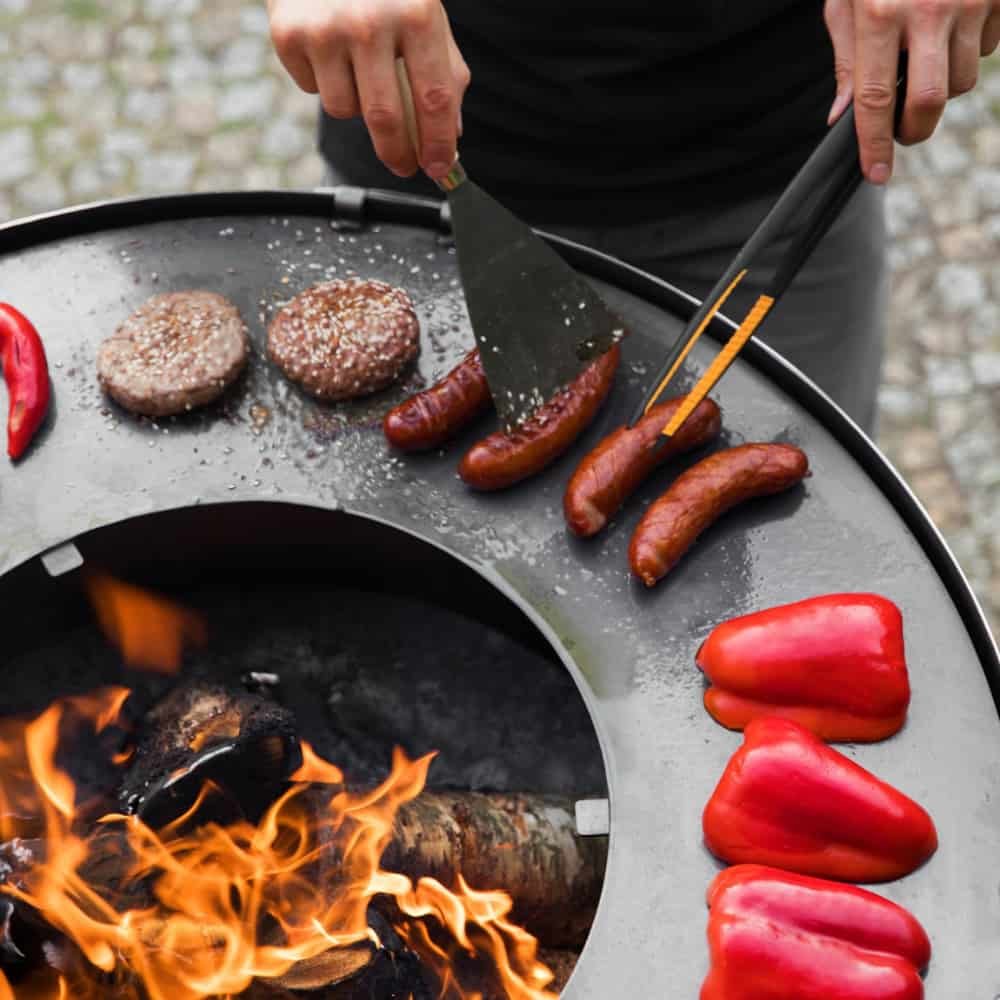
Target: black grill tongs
821, 188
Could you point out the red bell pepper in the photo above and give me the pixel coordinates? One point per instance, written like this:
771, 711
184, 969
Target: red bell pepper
26, 373
834, 664
777, 936
789, 800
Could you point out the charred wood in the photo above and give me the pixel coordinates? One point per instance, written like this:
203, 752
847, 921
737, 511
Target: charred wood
526, 845
244, 744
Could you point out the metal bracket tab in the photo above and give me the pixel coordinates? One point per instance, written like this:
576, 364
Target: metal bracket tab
593, 818
62, 559
349, 206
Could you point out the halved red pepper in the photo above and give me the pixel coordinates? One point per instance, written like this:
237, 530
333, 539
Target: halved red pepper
774, 935
26, 373
789, 800
835, 664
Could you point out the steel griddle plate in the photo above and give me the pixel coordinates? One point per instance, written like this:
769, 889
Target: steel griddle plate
852, 527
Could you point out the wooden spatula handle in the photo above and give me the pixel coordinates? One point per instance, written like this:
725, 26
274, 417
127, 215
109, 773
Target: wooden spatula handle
456, 175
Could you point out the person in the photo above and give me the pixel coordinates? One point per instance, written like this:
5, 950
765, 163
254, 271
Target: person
658, 132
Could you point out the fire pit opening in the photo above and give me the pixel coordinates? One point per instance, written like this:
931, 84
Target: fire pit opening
274, 751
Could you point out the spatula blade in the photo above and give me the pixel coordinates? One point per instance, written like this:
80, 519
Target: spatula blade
538, 324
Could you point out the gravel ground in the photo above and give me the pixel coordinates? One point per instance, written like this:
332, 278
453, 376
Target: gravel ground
102, 98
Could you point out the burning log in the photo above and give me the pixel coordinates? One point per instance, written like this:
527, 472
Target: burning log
526, 845
242, 743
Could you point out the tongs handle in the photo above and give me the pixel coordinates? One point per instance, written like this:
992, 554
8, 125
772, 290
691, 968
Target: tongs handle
828, 178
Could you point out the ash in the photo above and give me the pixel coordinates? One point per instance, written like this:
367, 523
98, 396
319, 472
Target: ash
365, 672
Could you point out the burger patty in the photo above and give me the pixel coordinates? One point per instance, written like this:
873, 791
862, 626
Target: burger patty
177, 351
346, 338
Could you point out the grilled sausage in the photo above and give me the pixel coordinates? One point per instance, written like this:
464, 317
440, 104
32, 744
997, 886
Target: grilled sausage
703, 493
612, 472
433, 416
502, 459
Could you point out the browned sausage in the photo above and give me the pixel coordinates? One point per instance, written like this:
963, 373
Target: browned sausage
433, 416
503, 459
612, 472
700, 495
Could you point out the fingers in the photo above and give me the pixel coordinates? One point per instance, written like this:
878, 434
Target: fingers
927, 76
435, 96
876, 54
290, 44
374, 62
839, 17
966, 40
338, 94
991, 34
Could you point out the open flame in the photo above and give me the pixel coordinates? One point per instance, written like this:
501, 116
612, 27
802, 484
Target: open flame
198, 909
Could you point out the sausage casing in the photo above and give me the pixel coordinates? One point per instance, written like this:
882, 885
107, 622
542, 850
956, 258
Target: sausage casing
612, 472
702, 494
502, 459
431, 417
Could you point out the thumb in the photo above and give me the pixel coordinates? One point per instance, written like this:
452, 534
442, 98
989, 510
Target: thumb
839, 17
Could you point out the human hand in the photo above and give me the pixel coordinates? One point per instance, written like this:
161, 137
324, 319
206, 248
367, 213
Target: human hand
345, 51
944, 39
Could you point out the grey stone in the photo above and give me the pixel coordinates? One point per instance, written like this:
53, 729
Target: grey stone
951, 204
157, 10
258, 175
253, 20
305, 172
60, 142
124, 142
243, 58
180, 34
138, 39
958, 415
986, 183
959, 287
919, 449
903, 209
6, 208
24, 104
231, 149
991, 227
146, 107
987, 142
940, 338
91, 178
41, 193
986, 367
964, 242
983, 327
906, 253
34, 70
139, 72
17, 154
195, 112
187, 68
83, 76
947, 376
945, 155
967, 111
284, 140
13, 6
165, 172
246, 101
901, 404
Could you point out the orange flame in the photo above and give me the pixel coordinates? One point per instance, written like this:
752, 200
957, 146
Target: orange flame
150, 631
203, 912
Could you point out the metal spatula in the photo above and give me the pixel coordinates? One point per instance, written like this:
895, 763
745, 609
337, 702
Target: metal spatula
538, 324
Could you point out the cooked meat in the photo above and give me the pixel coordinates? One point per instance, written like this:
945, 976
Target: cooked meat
177, 351
347, 338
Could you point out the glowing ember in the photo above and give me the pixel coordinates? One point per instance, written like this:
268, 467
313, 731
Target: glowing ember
197, 909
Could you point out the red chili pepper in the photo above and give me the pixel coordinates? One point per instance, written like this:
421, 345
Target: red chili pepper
27, 376
834, 664
789, 800
777, 936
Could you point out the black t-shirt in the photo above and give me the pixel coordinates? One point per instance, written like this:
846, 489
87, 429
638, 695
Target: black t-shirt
585, 112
